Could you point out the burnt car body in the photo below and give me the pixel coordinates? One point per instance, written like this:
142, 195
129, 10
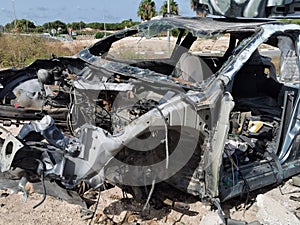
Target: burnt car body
214, 124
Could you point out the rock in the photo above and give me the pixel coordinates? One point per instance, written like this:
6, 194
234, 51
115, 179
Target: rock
29, 188
296, 180
131, 219
271, 212
212, 218
120, 218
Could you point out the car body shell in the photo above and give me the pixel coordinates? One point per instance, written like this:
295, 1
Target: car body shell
134, 123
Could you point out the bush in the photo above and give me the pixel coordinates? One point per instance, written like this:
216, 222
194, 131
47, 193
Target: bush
99, 35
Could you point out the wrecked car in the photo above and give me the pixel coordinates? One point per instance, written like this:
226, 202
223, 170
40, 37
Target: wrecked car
214, 114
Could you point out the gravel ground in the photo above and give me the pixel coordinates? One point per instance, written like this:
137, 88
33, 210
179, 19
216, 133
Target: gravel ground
112, 207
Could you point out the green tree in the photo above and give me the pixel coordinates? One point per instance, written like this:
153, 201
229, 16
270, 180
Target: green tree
147, 10
77, 25
95, 25
8, 27
173, 8
21, 26
55, 25
40, 29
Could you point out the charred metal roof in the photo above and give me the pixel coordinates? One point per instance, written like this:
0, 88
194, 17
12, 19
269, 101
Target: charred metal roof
200, 26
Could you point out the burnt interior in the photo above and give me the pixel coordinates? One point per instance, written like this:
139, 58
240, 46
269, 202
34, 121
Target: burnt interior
259, 122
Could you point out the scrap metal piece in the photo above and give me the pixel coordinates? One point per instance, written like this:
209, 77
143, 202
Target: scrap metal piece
9, 149
46, 128
21, 186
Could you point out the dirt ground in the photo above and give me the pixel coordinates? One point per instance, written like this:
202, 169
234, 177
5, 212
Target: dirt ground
112, 207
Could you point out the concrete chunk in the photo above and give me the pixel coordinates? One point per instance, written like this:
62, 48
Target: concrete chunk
271, 212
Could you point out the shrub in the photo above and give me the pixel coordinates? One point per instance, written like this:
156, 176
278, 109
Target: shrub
99, 35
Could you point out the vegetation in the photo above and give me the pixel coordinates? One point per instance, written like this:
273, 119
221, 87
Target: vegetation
59, 26
18, 51
147, 10
173, 8
112, 26
20, 26
77, 25
26, 26
99, 35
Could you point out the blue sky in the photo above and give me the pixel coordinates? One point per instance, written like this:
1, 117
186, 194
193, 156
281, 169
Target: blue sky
42, 11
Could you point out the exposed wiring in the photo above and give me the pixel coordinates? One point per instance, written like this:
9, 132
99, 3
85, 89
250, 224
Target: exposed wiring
96, 207
41, 171
232, 171
44, 192
237, 166
166, 136
150, 194
165, 126
233, 167
246, 187
71, 105
211, 57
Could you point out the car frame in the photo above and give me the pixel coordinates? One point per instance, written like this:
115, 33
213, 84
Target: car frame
140, 122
